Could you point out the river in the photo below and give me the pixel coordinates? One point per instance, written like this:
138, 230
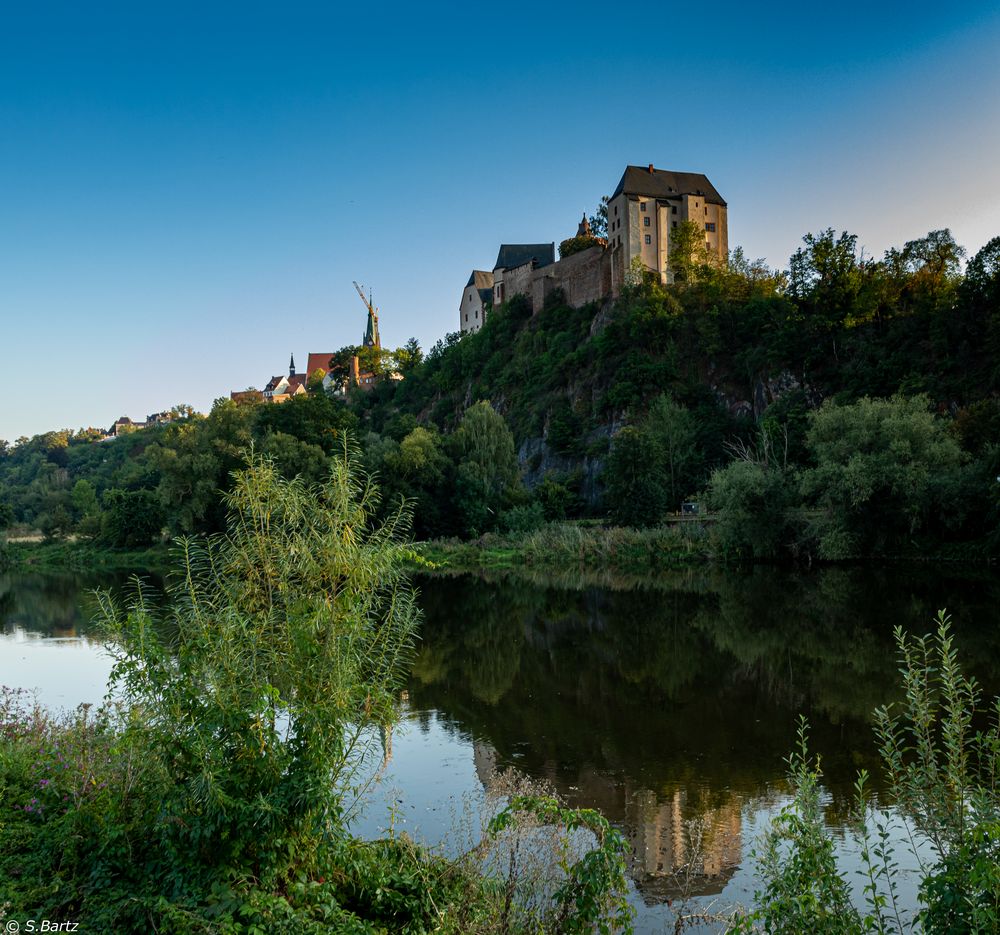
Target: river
668, 703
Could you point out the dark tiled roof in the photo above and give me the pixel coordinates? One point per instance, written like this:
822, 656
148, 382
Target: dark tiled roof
662, 183
512, 255
486, 296
481, 278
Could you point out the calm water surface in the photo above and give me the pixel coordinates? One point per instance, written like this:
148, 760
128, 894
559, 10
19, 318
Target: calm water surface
669, 704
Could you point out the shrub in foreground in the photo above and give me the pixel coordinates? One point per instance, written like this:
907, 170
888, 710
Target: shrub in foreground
249, 702
941, 772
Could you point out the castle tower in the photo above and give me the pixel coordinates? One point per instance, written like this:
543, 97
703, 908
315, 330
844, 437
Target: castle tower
584, 229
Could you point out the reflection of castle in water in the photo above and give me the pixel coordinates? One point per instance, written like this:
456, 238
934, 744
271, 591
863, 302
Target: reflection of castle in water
680, 843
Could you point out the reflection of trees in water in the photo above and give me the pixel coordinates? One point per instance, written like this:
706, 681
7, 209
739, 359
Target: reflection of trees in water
677, 702
48, 605
52, 605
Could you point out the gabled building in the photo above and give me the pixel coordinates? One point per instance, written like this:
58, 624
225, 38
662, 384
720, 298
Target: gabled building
280, 389
124, 426
160, 418
514, 267
477, 297
648, 205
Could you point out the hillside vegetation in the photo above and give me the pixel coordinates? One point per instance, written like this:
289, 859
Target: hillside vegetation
846, 406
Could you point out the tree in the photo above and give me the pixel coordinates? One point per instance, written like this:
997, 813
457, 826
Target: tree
295, 458
882, 467
409, 356
84, 498
599, 219
979, 302
288, 638
751, 500
131, 518
690, 261
196, 459
313, 418
674, 434
487, 467
981, 286
636, 492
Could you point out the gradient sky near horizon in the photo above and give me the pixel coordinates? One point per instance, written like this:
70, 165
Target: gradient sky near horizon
188, 190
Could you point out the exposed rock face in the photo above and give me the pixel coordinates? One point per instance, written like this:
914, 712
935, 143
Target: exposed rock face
537, 459
764, 391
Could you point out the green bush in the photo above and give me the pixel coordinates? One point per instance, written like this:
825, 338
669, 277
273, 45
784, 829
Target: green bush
751, 502
131, 518
522, 519
941, 774
209, 798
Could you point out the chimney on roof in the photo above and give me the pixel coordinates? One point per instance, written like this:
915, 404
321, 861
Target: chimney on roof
650, 168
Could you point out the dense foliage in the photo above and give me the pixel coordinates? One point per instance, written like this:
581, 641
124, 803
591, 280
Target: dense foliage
250, 703
862, 393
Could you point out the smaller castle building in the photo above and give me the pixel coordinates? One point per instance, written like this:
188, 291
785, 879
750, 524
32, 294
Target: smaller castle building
477, 297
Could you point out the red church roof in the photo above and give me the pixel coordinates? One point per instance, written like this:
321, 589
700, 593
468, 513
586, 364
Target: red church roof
318, 362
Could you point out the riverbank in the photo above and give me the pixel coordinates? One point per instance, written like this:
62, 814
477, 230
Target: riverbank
81, 556
575, 545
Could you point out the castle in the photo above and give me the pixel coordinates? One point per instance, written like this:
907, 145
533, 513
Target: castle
645, 209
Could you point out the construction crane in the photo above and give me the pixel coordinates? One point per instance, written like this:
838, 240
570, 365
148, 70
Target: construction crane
368, 301
372, 335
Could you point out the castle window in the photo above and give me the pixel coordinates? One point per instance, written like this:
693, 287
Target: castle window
673, 210
675, 223
710, 226
645, 222
642, 205
649, 239
706, 210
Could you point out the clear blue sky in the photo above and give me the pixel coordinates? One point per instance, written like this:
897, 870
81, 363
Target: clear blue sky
188, 190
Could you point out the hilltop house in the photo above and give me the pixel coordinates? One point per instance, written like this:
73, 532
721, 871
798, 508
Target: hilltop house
477, 297
282, 388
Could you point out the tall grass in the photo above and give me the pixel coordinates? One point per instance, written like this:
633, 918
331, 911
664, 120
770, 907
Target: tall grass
940, 752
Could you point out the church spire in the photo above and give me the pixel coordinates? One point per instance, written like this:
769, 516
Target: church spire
372, 338
291, 366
